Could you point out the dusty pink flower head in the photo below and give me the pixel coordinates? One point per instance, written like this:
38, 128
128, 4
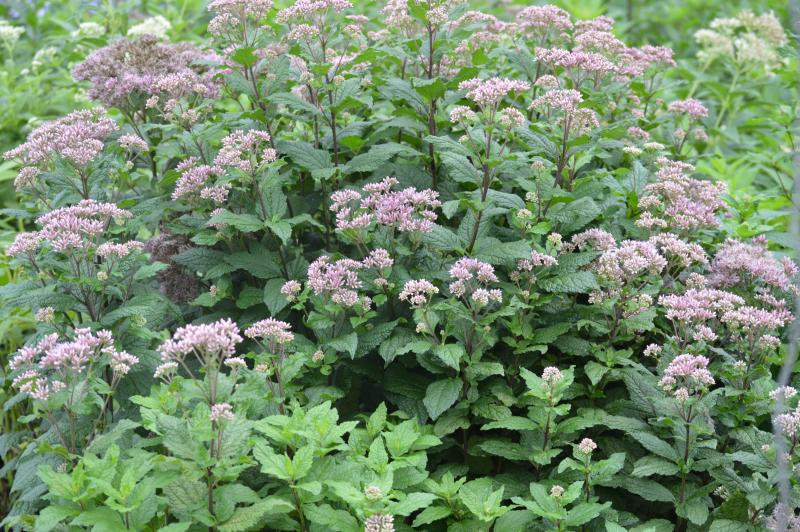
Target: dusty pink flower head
679, 201
631, 259
543, 21
209, 341
379, 523
579, 65
222, 412
601, 23
471, 278
271, 330
256, 9
290, 289
490, 92
194, 179
418, 292
130, 69
684, 253
758, 320
310, 10
378, 259
691, 107
552, 375
587, 445
77, 138
335, 280
245, 150
637, 61
407, 210
741, 264
111, 249
596, 238
133, 142
79, 226
687, 371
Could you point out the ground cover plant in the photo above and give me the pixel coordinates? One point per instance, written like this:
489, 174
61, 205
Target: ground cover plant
402, 265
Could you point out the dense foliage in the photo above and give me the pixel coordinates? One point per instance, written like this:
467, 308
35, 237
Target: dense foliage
350, 266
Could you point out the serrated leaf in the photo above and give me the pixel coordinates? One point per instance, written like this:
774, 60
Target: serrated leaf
572, 283
441, 395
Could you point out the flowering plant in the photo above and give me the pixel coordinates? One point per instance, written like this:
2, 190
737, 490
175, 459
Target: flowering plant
390, 267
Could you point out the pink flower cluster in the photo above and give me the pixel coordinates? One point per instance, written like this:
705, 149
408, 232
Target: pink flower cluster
222, 412
490, 92
740, 264
77, 138
335, 280
272, 330
631, 259
246, 150
579, 65
209, 342
127, 70
471, 279
194, 179
418, 292
680, 202
598, 239
541, 22
686, 253
49, 363
699, 305
687, 373
111, 249
757, 320
694, 109
311, 9
577, 121
76, 227
407, 210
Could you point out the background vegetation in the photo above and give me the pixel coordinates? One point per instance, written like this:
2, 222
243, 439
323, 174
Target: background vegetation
752, 135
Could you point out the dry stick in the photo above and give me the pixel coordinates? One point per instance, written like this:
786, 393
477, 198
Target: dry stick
794, 329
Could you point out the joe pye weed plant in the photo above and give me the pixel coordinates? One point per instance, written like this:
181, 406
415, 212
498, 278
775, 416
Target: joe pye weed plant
392, 266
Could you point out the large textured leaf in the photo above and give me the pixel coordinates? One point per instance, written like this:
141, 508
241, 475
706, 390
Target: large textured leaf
571, 283
441, 395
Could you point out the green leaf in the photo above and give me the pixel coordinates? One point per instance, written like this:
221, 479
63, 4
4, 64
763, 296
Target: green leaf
450, 354
575, 215
376, 157
646, 489
441, 395
305, 155
51, 516
584, 512
656, 445
100, 519
246, 223
245, 56
727, 525
345, 344
248, 517
330, 518
653, 465
430, 515
175, 527
442, 239
273, 298
595, 371
282, 229
512, 423
571, 283
411, 503
460, 168
481, 501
